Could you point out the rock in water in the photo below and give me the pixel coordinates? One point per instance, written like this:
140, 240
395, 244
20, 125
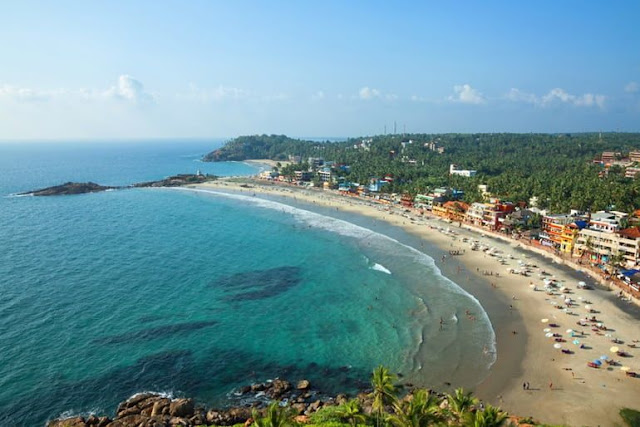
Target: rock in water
303, 385
69, 188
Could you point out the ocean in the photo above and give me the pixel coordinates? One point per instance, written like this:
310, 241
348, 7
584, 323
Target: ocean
195, 293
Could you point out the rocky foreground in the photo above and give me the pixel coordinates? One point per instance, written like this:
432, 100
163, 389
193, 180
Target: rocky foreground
69, 188
155, 410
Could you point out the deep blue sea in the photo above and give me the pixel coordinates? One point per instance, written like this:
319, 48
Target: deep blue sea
195, 293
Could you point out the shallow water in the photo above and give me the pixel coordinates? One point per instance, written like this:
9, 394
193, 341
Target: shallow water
194, 293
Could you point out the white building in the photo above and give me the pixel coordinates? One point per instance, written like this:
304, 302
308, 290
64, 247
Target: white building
468, 173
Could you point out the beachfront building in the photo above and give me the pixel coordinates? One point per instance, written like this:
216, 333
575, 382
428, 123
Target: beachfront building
560, 231
522, 218
604, 237
475, 213
489, 215
467, 173
376, 184
406, 200
452, 210
436, 197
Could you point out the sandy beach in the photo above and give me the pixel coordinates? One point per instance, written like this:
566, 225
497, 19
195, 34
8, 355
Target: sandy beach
530, 376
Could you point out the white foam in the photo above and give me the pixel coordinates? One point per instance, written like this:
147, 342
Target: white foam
348, 229
379, 267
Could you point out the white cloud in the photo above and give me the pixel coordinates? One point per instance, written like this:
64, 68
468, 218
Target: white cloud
391, 96
556, 95
368, 93
466, 95
519, 96
318, 95
28, 95
631, 87
586, 100
130, 89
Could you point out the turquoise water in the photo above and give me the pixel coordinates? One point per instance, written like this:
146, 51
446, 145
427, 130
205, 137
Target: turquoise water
195, 293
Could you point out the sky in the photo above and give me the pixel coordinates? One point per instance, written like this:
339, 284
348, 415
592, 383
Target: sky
217, 69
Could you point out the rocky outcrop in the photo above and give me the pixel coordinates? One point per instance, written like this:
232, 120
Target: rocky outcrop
91, 187
177, 181
69, 188
151, 410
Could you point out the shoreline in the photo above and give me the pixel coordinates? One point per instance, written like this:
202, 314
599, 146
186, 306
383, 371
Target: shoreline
525, 355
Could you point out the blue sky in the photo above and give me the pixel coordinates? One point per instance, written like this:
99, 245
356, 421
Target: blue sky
136, 69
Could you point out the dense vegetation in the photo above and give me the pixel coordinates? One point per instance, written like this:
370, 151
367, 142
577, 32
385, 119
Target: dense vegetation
556, 168
384, 408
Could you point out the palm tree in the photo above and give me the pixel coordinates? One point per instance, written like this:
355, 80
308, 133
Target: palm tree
615, 260
276, 416
351, 412
384, 391
460, 402
421, 411
489, 417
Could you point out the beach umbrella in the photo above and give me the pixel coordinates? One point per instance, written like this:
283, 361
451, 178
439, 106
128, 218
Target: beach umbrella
546, 330
582, 283
576, 342
557, 345
544, 320
587, 307
625, 368
569, 331
597, 362
604, 357
548, 335
614, 349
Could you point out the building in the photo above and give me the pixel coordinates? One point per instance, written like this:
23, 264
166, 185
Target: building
325, 174
601, 246
475, 213
315, 162
631, 172
468, 173
608, 157
406, 200
601, 239
560, 231
634, 156
495, 212
303, 176
452, 210
375, 184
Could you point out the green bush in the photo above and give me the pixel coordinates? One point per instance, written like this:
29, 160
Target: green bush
630, 416
325, 415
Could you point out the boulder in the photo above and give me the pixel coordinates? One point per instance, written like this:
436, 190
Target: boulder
179, 422
181, 408
159, 406
69, 422
314, 406
278, 388
129, 421
341, 399
303, 385
258, 387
